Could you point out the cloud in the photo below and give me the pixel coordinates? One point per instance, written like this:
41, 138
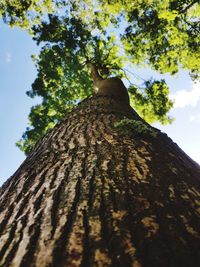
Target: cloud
8, 57
186, 98
195, 118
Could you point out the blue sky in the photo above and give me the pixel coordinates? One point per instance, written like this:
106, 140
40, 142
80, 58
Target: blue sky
17, 72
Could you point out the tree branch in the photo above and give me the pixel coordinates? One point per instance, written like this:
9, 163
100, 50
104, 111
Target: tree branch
94, 72
192, 26
189, 6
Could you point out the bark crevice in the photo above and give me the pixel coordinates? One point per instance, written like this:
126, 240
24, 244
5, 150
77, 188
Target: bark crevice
91, 195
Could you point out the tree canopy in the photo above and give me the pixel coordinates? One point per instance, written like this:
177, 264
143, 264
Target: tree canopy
161, 34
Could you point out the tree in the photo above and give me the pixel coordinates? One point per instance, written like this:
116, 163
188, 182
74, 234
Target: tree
103, 188
26, 13
163, 35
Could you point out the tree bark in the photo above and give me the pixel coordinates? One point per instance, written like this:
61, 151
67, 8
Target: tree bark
91, 194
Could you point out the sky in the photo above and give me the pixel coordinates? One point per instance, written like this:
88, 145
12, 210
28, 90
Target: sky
17, 73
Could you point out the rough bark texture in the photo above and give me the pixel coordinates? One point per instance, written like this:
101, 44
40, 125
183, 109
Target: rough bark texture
91, 195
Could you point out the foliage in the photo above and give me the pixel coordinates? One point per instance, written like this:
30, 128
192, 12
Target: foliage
25, 13
168, 33
151, 101
134, 128
161, 34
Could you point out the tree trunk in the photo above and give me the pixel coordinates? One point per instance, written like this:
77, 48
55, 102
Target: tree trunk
94, 193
